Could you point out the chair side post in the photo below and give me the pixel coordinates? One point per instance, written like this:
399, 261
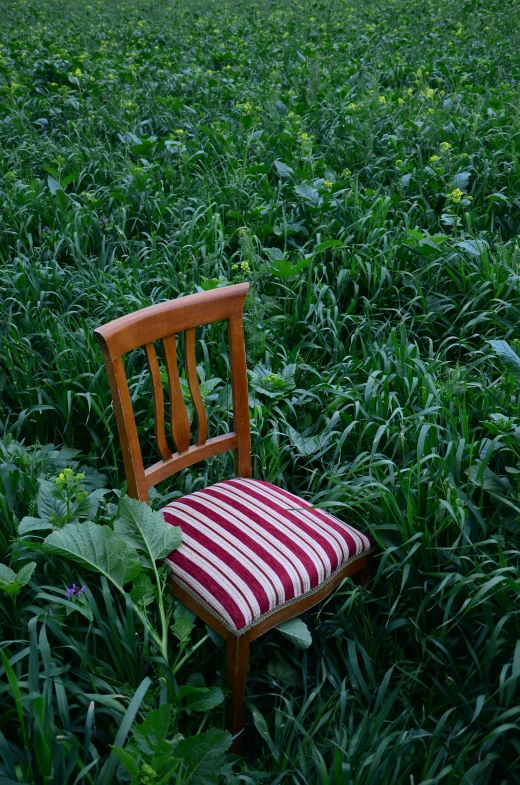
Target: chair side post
123, 409
237, 358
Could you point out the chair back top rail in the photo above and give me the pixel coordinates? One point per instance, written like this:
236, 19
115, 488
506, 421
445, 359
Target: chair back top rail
175, 316
162, 322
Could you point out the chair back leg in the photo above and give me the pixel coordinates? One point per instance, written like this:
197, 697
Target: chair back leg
237, 661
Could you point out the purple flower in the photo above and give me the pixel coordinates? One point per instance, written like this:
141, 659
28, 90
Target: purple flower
103, 219
45, 228
75, 591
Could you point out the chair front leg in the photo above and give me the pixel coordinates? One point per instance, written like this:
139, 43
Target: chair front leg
364, 575
237, 661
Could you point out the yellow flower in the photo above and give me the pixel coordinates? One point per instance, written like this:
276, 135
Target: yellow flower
430, 110
327, 184
346, 173
429, 93
434, 158
445, 146
409, 91
78, 72
14, 85
382, 99
352, 107
455, 196
400, 100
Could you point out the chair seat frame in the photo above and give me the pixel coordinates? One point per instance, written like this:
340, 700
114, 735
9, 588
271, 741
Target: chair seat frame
162, 322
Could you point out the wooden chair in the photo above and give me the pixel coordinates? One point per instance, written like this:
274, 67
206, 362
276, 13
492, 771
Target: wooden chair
289, 532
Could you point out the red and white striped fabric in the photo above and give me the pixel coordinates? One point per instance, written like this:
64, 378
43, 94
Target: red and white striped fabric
249, 547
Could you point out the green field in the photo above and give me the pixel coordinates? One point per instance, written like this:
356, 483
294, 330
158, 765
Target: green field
358, 164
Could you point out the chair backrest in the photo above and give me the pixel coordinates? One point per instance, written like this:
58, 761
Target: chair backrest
161, 323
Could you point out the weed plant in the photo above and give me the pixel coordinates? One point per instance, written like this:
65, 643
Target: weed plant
357, 163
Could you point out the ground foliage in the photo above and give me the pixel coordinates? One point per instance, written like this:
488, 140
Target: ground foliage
357, 163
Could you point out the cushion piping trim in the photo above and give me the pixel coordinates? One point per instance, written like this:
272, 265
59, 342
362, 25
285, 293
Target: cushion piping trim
242, 630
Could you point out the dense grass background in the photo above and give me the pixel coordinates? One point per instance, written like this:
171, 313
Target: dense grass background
149, 149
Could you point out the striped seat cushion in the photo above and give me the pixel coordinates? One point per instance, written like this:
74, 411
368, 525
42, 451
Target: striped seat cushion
249, 547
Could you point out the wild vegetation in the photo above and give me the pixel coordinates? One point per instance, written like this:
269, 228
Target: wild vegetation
357, 163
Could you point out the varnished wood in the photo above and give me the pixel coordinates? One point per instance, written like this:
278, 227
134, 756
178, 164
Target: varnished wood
237, 356
125, 420
164, 469
179, 421
237, 646
158, 402
175, 316
162, 322
237, 662
193, 383
360, 566
295, 609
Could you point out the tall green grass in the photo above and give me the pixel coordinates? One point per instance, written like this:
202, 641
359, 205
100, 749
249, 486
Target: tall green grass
358, 164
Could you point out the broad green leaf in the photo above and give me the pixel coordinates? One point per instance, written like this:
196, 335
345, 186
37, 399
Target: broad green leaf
53, 184
297, 632
461, 179
284, 673
473, 247
305, 445
145, 529
8, 582
7, 575
283, 170
152, 733
201, 698
182, 628
30, 524
142, 590
508, 356
129, 759
49, 507
88, 508
96, 548
25, 574
308, 193
202, 756
488, 480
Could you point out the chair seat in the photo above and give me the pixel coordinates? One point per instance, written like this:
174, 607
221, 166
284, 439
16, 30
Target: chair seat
249, 547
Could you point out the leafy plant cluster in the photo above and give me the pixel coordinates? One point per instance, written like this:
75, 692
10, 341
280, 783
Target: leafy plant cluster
357, 163
101, 654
